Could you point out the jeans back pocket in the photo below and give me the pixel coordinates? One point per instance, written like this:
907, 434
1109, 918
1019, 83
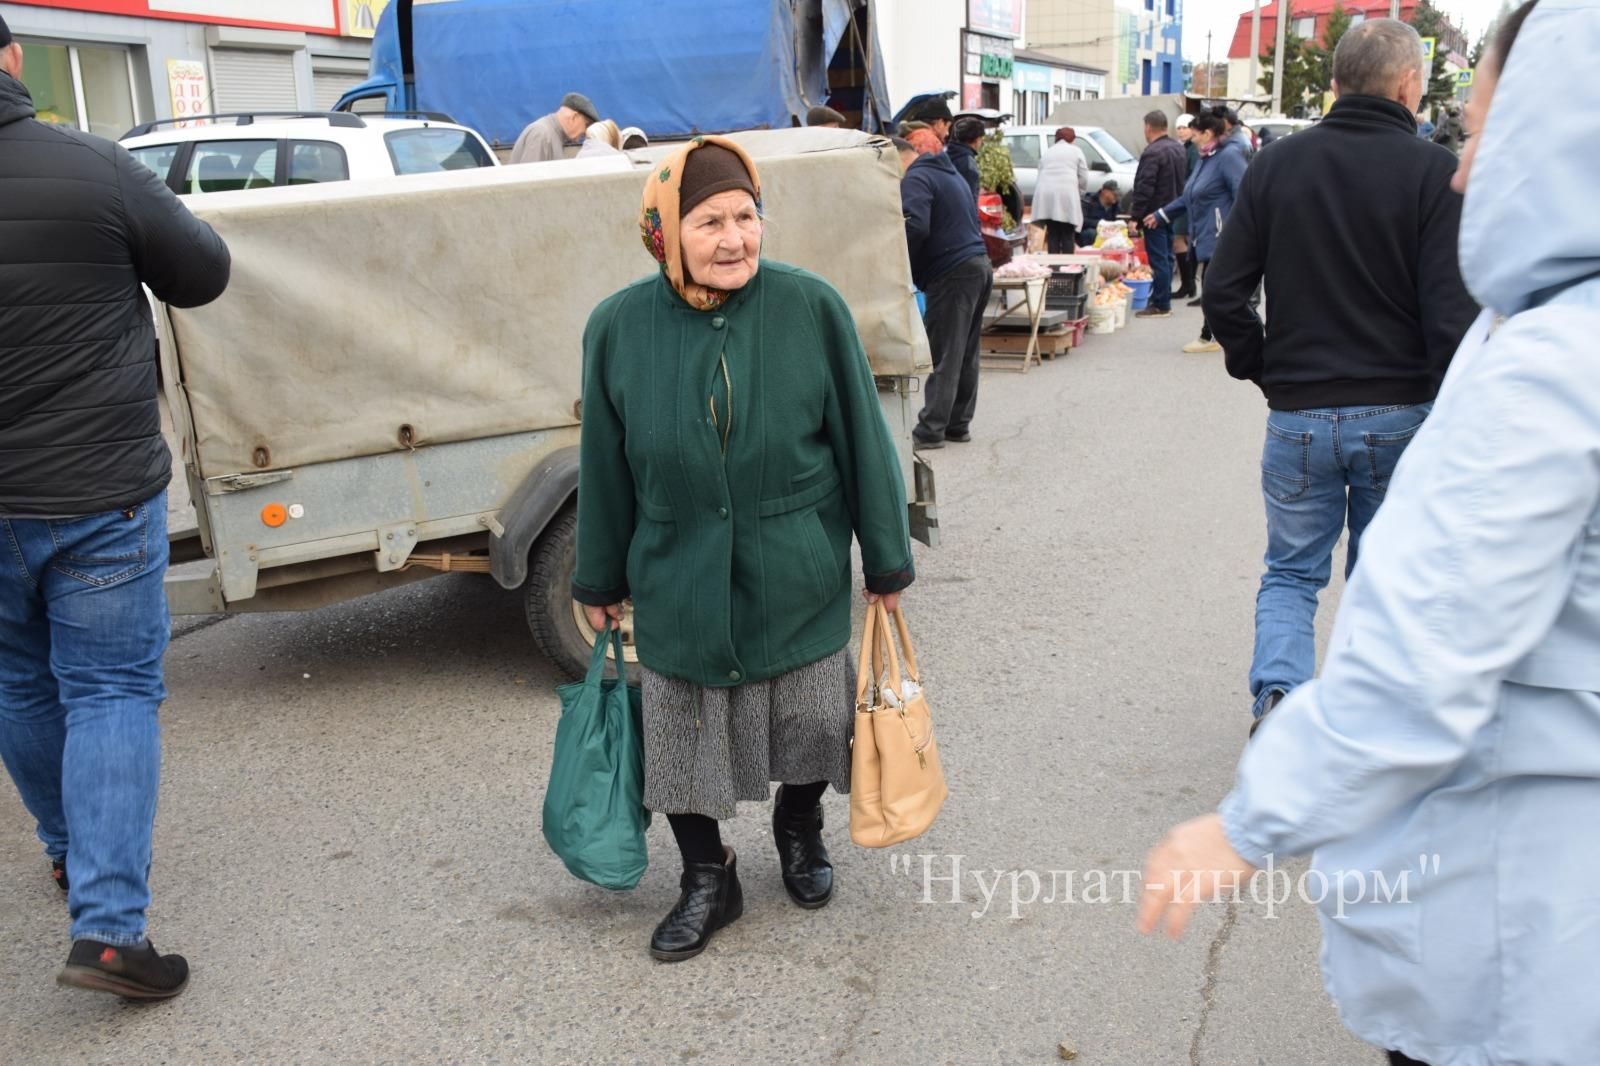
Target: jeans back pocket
1285, 463
102, 549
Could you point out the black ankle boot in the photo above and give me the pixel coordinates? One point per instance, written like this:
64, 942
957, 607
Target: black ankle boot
711, 899
1186, 272
139, 972
807, 873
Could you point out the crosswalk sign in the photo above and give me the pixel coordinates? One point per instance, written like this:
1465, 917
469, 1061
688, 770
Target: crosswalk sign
1429, 46
1463, 79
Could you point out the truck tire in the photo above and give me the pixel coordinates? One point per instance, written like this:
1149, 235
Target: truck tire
557, 622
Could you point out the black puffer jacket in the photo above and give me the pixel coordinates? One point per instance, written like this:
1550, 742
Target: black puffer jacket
82, 224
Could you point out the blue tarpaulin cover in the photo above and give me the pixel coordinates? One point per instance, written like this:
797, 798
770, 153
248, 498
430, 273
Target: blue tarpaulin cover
672, 69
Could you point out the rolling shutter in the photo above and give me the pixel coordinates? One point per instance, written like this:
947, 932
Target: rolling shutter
251, 80
332, 77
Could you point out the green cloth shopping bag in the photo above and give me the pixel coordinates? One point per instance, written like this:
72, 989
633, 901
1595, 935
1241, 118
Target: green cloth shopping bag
594, 813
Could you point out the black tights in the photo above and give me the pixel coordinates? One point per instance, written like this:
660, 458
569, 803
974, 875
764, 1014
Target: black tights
700, 838
1398, 1059
1205, 327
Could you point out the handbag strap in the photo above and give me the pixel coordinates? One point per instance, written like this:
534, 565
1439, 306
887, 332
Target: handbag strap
597, 661
866, 672
887, 642
905, 646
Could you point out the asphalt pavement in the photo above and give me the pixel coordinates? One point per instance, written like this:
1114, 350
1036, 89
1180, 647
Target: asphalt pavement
348, 843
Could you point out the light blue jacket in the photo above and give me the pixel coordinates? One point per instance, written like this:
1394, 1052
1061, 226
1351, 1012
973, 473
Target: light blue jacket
1209, 194
1458, 711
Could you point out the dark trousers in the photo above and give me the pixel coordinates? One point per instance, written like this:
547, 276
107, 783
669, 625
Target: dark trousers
1205, 327
1158, 249
954, 322
700, 838
1397, 1059
1060, 238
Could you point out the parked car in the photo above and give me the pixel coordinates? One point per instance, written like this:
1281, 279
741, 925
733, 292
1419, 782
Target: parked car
1271, 129
1106, 157
227, 153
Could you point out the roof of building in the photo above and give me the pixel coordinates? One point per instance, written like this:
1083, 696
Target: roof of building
1045, 59
1318, 9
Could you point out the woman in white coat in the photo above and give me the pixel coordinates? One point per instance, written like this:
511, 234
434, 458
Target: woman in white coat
1058, 193
1451, 746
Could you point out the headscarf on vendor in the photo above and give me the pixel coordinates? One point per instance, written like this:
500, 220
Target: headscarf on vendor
684, 180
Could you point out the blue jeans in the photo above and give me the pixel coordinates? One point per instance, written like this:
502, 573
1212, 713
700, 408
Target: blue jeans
83, 626
1320, 470
1158, 249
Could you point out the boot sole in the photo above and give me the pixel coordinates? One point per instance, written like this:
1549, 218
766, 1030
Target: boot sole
689, 953
92, 980
810, 905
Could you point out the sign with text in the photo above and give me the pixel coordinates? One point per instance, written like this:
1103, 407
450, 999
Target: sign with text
995, 16
186, 78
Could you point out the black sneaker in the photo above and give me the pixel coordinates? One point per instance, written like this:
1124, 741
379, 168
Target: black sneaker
918, 444
1154, 312
958, 438
1195, 302
130, 972
58, 872
1274, 698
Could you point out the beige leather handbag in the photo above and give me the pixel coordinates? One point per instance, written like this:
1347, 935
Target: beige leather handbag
896, 783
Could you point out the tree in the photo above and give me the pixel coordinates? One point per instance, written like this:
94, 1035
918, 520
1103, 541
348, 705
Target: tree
1428, 21
1338, 24
1301, 70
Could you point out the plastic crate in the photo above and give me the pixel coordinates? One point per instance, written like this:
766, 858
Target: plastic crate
1078, 329
1065, 285
1073, 306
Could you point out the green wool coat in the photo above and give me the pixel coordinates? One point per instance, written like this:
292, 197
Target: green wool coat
737, 560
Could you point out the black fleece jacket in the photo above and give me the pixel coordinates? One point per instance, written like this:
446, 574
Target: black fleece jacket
1354, 225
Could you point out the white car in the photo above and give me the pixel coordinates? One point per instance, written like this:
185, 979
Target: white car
226, 153
1272, 129
1107, 158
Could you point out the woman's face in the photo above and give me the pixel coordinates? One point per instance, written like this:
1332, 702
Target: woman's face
722, 241
1483, 87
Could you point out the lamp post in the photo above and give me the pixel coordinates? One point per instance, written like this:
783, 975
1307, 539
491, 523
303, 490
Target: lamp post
1255, 49
1277, 57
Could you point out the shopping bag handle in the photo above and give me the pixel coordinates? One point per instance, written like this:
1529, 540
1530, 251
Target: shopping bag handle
905, 646
885, 646
597, 661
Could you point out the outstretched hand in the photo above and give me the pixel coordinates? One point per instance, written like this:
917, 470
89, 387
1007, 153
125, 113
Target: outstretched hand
1194, 863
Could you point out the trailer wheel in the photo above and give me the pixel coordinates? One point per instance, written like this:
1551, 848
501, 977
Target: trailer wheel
555, 619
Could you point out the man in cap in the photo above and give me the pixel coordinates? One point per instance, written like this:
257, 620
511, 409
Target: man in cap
1104, 206
937, 114
825, 118
83, 514
547, 138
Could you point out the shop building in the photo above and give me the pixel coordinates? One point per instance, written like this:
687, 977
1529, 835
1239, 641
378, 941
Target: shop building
107, 65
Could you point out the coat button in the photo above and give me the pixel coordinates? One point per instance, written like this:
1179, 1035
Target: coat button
722, 512
717, 322
734, 675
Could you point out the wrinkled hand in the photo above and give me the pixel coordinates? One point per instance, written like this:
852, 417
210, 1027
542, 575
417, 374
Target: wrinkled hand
599, 616
1150, 221
1194, 862
891, 601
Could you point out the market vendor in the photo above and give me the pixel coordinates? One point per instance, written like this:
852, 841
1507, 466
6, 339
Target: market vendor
1103, 206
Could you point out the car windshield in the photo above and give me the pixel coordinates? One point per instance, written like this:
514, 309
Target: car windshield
1108, 144
426, 150
1024, 148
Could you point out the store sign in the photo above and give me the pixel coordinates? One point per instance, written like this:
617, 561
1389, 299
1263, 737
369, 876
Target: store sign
310, 16
1027, 78
186, 78
361, 17
995, 16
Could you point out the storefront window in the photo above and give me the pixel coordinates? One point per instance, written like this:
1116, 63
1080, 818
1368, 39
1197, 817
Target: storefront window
47, 73
107, 91
86, 88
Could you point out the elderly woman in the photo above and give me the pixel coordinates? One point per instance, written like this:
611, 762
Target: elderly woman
732, 443
603, 138
1452, 744
1058, 192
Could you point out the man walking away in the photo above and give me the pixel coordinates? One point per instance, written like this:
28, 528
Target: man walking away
83, 515
1158, 182
547, 138
966, 136
949, 264
1362, 330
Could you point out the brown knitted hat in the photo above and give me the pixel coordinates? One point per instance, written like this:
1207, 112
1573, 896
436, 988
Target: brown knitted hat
708, 170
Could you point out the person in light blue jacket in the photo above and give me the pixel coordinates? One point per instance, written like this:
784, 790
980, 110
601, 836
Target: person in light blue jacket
1453, 739
1207, 199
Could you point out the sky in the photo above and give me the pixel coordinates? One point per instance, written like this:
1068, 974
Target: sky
1221, 16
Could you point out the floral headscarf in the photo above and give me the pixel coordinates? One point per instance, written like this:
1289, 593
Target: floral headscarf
660, 218
926, 142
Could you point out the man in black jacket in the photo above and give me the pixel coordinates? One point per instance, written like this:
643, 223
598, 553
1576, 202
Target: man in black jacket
1367, 307
966, 136
83, 512
1158, 182
949, 264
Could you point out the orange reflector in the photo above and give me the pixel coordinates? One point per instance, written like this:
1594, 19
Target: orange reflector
274, 515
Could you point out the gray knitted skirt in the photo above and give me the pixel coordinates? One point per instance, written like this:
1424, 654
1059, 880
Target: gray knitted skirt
707, 748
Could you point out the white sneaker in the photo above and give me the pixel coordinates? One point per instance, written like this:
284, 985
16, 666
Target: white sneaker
1196, 347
